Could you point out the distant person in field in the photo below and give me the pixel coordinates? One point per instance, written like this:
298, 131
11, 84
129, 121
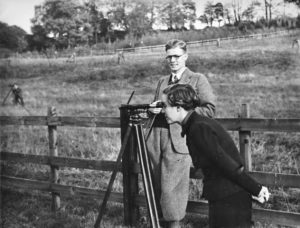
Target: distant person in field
72, 58
55, 54
226, 185
121, 56
17, 92
296, 43
168, 152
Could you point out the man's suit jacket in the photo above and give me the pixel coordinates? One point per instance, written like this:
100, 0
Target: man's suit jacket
207, 108
213, 150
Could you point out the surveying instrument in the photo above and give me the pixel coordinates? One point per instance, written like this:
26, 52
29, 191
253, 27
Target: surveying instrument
137, 117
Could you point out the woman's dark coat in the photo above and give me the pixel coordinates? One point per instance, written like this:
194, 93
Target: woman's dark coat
213, 150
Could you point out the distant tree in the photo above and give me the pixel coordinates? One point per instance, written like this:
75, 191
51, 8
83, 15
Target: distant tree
20, 35
66, 21
219, 12
94, 19
297, 2
204, 19
212, 12
83, 33
177, 15
117, 16
189, 11
249, 12
39, 40
12, 37
270, 6
270, 10
236, 11
138, 21
171, 15
266, 10
134, 18
105, 28
209, 12
227, 15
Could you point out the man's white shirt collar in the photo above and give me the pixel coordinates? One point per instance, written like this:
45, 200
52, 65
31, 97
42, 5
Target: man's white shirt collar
178, 74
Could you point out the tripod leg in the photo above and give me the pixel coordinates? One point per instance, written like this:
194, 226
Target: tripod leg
148, 129
6, 97
112, 178
147, 179
150, 175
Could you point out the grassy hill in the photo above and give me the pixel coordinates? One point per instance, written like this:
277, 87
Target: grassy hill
261, 70
262, 73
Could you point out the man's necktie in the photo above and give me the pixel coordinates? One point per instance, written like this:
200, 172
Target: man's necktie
173, 80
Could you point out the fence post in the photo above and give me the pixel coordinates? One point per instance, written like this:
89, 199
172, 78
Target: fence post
130, 178
244, 139
218, 42
52, 134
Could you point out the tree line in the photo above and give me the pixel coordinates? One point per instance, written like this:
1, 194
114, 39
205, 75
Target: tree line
72, 22
61, 24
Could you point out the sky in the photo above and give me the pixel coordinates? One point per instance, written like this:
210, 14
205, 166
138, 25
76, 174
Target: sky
19, 12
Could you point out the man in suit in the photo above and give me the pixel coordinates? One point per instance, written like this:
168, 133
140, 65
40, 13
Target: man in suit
167, 149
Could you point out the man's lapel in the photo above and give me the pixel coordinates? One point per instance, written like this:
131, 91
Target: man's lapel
185, 77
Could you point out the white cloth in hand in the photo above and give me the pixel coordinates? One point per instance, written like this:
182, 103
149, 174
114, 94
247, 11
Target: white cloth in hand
263, 195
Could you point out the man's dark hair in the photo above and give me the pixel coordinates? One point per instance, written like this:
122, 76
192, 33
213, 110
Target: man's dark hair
175, 43
182, 95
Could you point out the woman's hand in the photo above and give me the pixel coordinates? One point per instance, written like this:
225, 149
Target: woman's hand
155, 110
263, 195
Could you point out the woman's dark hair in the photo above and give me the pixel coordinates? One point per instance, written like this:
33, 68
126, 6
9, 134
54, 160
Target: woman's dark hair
182, 95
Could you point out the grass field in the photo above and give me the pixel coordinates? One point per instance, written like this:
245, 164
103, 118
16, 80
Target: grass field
262, 73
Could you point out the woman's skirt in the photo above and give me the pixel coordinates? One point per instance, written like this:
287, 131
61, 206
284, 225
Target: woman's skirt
231, 212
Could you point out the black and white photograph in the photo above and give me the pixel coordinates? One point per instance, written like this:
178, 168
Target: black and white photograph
150, 113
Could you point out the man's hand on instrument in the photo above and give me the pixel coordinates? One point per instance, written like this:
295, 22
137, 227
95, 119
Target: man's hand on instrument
263, 195
155, 110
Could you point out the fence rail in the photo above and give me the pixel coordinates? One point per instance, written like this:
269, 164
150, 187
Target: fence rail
231, 124
270, 179
243, 125
110, 122
58, 161
211, 42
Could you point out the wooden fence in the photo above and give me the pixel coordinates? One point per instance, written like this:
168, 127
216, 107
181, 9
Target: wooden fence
130, 167
212, 42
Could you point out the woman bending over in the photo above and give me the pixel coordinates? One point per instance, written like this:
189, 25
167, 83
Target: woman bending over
226, 185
